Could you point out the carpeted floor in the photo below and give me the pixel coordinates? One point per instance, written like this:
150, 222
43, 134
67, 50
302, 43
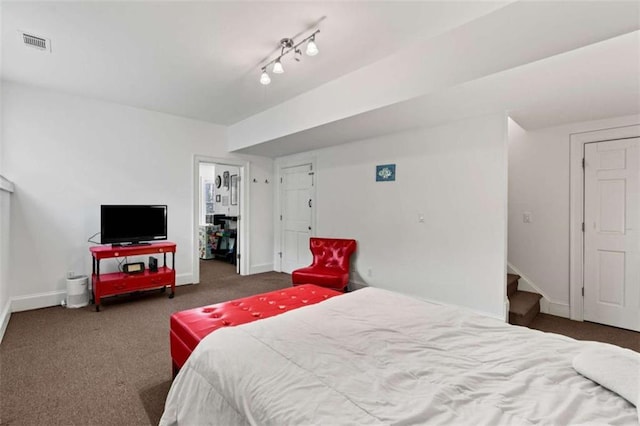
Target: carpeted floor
75, 366
587, 331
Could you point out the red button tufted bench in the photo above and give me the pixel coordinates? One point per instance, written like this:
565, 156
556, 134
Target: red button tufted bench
189, 327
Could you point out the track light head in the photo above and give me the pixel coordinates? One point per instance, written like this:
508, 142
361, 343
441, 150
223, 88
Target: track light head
277, 67
264, 77
312, 49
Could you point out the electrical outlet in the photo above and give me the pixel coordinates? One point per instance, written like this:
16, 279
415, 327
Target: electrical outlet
71, 274
420, 217
369, 272
526, 217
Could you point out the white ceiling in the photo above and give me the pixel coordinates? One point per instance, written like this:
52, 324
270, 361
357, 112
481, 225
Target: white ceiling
546, 63
202, 59
594, 82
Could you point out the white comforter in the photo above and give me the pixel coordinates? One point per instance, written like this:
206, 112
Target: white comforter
377, 357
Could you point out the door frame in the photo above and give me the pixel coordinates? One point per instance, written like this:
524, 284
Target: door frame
243, 211
282, 163
576, 208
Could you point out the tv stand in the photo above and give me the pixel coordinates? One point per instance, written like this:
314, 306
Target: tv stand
115, 283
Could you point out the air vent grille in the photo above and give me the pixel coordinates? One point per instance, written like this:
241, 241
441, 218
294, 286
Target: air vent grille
37, 42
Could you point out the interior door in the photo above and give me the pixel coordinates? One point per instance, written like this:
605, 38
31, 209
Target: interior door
296, 216
612, 233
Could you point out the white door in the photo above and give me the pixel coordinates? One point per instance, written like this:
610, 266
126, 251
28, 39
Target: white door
296, 216
612, 233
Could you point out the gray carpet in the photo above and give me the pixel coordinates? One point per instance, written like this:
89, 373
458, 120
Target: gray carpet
75, 366
587, 331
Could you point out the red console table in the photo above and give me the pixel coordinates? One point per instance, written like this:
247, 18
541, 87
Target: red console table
115, 283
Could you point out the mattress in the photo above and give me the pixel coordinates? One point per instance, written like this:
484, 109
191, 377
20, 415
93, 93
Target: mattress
378, 357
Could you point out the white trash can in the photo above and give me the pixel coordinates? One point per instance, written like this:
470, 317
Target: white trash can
77, 293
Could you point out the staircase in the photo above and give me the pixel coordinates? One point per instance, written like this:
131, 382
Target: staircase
523, 305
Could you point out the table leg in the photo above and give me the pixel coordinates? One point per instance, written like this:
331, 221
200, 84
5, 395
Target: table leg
173, 283
96, 287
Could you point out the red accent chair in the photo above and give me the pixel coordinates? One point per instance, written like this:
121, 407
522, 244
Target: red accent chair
330, 267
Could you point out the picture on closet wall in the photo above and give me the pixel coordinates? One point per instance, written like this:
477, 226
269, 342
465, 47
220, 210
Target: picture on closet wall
234, 190
225, 179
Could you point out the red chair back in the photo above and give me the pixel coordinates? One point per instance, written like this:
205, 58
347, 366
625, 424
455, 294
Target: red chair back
332, 252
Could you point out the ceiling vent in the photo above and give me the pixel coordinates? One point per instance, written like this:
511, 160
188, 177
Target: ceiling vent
36, 42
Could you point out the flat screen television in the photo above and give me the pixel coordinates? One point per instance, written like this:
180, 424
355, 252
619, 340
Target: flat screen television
132, 224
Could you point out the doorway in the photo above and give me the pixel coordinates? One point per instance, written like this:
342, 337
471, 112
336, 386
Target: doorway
612, 233
604, 222
219, 217
297, 215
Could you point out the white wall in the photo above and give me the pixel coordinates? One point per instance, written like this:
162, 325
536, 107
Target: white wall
67, 155
4, 227
539, 184
456, 176
5, 305
207, 175
261, 191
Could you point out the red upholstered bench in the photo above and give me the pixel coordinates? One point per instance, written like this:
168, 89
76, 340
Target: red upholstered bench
189, 327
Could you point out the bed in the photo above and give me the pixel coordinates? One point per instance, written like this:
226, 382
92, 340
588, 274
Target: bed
378, 357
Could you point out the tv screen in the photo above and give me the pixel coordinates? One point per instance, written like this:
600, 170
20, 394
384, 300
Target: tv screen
132, 223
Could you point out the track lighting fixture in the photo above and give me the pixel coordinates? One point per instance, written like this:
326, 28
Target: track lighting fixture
288, 45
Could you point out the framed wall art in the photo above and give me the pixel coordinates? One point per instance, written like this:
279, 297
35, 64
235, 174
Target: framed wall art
386, 173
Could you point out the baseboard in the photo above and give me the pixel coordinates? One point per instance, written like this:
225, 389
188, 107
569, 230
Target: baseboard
555, 308
5, 316
260, 269
37, 301
507, 305
356, 285
547, 305
499, 317
524, 283
55, 298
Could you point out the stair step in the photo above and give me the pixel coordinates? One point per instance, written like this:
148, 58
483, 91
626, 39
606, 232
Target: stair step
512, 284
523, 307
